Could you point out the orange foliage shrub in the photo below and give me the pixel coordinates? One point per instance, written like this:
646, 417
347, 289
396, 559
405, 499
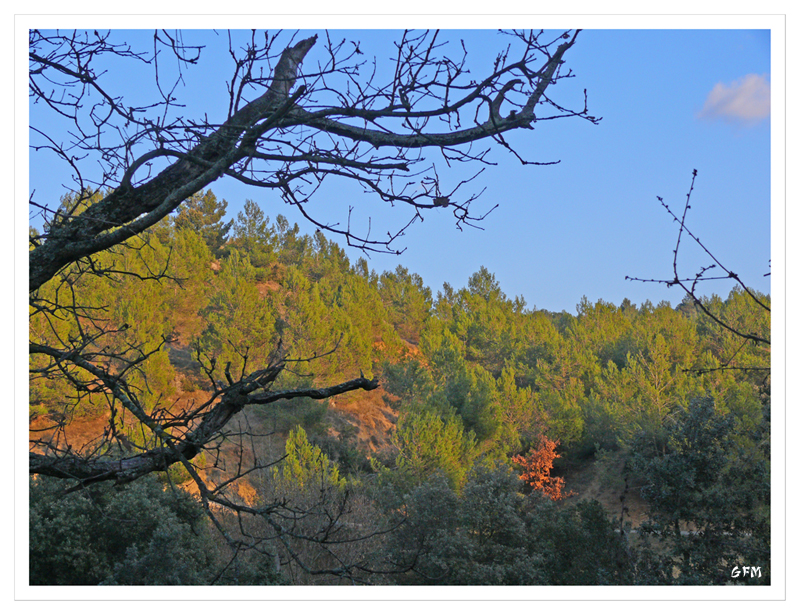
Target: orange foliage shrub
536, 467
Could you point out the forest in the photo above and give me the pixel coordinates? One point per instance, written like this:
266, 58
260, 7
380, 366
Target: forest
216, 398
453, 466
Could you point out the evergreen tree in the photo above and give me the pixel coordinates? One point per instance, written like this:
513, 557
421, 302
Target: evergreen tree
305, 466
239, 323
430, 441
490, 534
138, 534
407, 300
204, 214
709, 497
253, 235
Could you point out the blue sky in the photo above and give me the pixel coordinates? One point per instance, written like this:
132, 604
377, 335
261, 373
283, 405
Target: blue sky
671, 101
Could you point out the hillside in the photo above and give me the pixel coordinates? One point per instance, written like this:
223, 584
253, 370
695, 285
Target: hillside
641, 412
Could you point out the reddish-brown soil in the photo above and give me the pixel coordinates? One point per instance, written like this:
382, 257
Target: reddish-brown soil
367, 412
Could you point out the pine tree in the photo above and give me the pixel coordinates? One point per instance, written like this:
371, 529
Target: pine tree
203, 213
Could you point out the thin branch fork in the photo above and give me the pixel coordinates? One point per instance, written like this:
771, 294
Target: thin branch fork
691, 289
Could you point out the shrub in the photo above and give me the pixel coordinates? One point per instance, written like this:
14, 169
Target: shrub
140, 534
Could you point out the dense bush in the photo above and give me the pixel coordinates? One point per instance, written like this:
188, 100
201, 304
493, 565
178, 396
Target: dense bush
138, 534
491, 534
708, 485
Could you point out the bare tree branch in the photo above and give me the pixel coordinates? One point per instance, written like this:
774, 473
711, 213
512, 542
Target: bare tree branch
256, 132
691, 286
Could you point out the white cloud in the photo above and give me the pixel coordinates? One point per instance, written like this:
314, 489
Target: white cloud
745, 101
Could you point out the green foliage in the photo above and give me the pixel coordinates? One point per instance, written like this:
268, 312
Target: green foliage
579, 545
564, 386
343, 450
284, 415
478, 538
407, 300
491, 534
124, 312
239, 324
488, 326
519, 413
253, 236
709, 496
139, 534
429, 442
305, 466
407, 379
203, 213
469, 389
603, 329
539, 342
646, 391
474, 376
329, 306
